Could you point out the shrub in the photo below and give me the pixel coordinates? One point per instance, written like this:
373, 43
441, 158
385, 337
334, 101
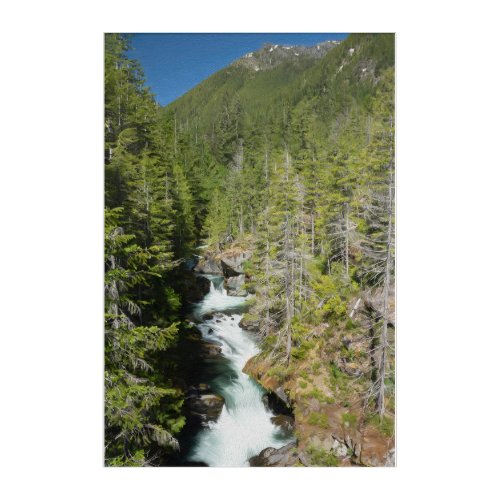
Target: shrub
300, 352
349, 419
315, 367
322, 458
336, 372
280, 372
320, 396
384, 425
318, 419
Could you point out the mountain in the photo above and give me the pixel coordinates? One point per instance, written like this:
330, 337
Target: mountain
271, 55
263, 80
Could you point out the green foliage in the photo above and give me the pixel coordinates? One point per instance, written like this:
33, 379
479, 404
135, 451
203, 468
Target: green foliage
280, 372
147, 201
319, 395
322, 458
385, 425
319, 419
336, 372
300, 352
349, 419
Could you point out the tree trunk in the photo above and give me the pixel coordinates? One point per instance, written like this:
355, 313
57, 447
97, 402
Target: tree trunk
346, 249
312, 231
385, 311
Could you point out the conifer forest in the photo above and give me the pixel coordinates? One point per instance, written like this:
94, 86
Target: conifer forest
249, 260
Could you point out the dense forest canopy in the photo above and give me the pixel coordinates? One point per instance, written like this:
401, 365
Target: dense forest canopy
294, 162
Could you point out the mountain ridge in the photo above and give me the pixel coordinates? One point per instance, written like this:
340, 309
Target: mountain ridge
270, 55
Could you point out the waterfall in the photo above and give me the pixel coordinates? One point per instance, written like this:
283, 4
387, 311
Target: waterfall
244, 427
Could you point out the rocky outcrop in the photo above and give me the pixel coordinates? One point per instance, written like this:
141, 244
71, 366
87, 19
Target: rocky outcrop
249, 322
210, 349
208, 264
234, 286
287, 456
229, 262
326, 427
362, 444
193, 287
285, 422
203, 406
232, 261
270, 56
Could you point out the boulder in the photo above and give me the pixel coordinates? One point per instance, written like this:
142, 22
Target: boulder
232, 262
208, 265
194, 287
339, 449
280, 392
286, 456
234, 286
285, 422
249, 323
204, 407
275, 404
210, 349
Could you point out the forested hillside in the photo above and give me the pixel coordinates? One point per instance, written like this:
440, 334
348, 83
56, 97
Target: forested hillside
286, 155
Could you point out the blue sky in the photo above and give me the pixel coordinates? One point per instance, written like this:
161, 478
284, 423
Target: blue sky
176, 62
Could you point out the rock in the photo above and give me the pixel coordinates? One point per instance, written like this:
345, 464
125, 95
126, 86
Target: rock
375, 450
197, 390
194, 287
304, 459
285, 422
275, 404
211, 348
249, 323
390, 460
287, 456
324, 442
206, 317
280, 392
234, 286
232, 262
205, 407
208, 265
339, 449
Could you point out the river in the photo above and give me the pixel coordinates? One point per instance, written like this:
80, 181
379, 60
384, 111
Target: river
244, 427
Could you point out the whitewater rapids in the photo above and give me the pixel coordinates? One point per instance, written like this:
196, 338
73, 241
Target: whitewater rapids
244, 427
